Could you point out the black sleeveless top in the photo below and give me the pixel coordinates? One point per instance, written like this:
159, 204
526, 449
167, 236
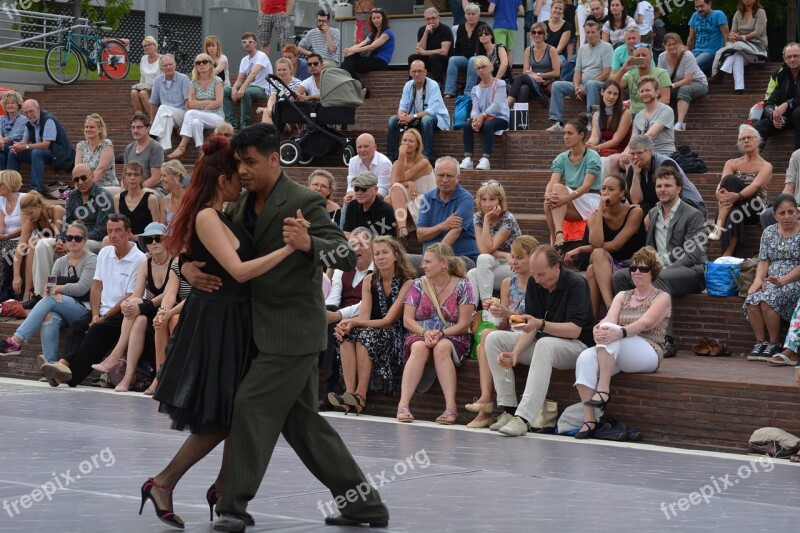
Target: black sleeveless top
140, 217
631, 246
375, 312
150, 287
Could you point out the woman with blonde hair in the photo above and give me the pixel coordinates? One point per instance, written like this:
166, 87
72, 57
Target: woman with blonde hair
213, 47
12, 124
323, 182
97, 151
283, 69
225, 129
10, 225
204, 105
412, 176
149, 69
438, 311
175, 179
540, 66
689, 83
40, 221
489, 114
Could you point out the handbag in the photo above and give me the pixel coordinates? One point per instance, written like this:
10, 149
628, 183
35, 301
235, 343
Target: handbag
72, 277
546, 421
142, 378
722, 279
747, 275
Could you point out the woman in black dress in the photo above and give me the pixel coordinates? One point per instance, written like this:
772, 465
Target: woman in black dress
210, 349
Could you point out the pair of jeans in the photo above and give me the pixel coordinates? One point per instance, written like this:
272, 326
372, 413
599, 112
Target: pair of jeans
5, 151
565, 89
705, 60
427, 124
37, 158
62, 313
245, 104
487, 130
767, 129
456, 64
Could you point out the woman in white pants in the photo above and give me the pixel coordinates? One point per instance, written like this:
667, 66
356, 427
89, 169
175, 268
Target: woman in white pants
630, 339
204, 105
747, 43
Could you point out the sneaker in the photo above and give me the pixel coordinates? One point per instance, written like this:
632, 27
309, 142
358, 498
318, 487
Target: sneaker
756, 352
466, 164
9, 347
556, 127
502, 420
679, 126
670, 350
30, 304
769, 350
483, 164
516, 427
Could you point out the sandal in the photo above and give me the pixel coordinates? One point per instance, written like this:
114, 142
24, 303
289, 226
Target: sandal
702, 348
447, 418
559, 246
717, 348
354, 400
338, 401
591, 425
177, 153
601, 403
781, 359
404, 415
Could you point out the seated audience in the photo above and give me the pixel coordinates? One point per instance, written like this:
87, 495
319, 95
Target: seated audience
746, 44
676, 230
782, 103
139, 206
168, 101
379, 44
495, 231
283, 69
224, 129
558, 326
540, 66
12, 125
145, 150
426, 113
434, 41
308, 89
213, 47
611, 123
621, 53
204, 106
97, 152
496, 53
438, 311
44, 141
369, 160
39, 221
174, 179
512, 302
63, 304
369, 343
574, 187
629, 75
708, 31
616, 231
560, 32
251, 82
775, 289
618, 21
742, 191
592, 68
323, 182
448, 218
689, 83
789, 187
464, 51
656, 120
323, 40
489, 114
139, 308
10, 226
92, 336
412, 177
149, 69
630, 338
597, 11
369, 210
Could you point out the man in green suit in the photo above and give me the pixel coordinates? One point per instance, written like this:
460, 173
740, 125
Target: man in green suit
279, 393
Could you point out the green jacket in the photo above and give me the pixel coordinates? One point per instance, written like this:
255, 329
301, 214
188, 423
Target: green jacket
781, 88
289, 315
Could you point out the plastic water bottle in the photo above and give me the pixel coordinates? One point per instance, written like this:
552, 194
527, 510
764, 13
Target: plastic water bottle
755, 113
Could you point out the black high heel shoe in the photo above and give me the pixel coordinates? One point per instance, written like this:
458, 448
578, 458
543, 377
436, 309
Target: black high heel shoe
591, 425
601, 403
165, 515
338, 401
355, 401
212, 497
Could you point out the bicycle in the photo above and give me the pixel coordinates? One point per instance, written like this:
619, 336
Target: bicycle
64, 62
170, 45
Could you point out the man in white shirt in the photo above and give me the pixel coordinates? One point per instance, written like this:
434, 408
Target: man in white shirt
369, 159
250, 83
309, 87
114, 281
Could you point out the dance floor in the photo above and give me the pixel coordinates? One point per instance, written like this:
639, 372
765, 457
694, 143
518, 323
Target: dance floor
73, 461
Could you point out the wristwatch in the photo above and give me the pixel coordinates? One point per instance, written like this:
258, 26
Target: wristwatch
27, 146
415, 116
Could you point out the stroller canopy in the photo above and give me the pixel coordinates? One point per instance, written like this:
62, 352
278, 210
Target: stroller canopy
338, 89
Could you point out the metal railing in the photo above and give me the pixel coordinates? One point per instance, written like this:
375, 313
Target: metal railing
25, 35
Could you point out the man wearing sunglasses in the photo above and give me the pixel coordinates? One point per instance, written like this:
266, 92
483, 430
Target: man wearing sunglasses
369, 210
434, 41
251, 83
637, 67
322, 40
309, 87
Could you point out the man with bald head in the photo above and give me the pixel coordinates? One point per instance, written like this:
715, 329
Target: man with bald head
44, 141
369, 159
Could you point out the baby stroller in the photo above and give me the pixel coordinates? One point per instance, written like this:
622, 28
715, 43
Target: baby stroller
340, 95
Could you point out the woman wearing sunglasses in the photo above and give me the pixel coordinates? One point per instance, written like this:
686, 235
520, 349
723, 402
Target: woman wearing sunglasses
540, 66
204, 106
63, 304
630, 339
40, 221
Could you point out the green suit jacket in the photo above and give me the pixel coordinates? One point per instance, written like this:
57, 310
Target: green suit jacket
289, 315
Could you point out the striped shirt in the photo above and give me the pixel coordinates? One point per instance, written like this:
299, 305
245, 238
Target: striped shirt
316, 41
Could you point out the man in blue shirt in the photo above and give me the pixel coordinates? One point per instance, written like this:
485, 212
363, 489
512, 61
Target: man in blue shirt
168, 101
708, 31
446, 213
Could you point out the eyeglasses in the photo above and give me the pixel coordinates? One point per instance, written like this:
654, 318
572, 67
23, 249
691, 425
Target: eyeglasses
636, 153
361, 189
640, 268
202, 62
537, 33
641, 45
77, 179
151, 239
313, 63
76, 238
248, 41
320, 186
746, 139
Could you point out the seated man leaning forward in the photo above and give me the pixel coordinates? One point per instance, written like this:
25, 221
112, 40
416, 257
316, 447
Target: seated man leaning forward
446, 215
557, 328
114, 280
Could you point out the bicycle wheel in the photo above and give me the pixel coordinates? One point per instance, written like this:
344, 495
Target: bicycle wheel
62, 65
114, 62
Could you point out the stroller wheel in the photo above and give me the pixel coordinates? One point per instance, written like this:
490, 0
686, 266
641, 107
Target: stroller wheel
305, 159
348, 153
290, 153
